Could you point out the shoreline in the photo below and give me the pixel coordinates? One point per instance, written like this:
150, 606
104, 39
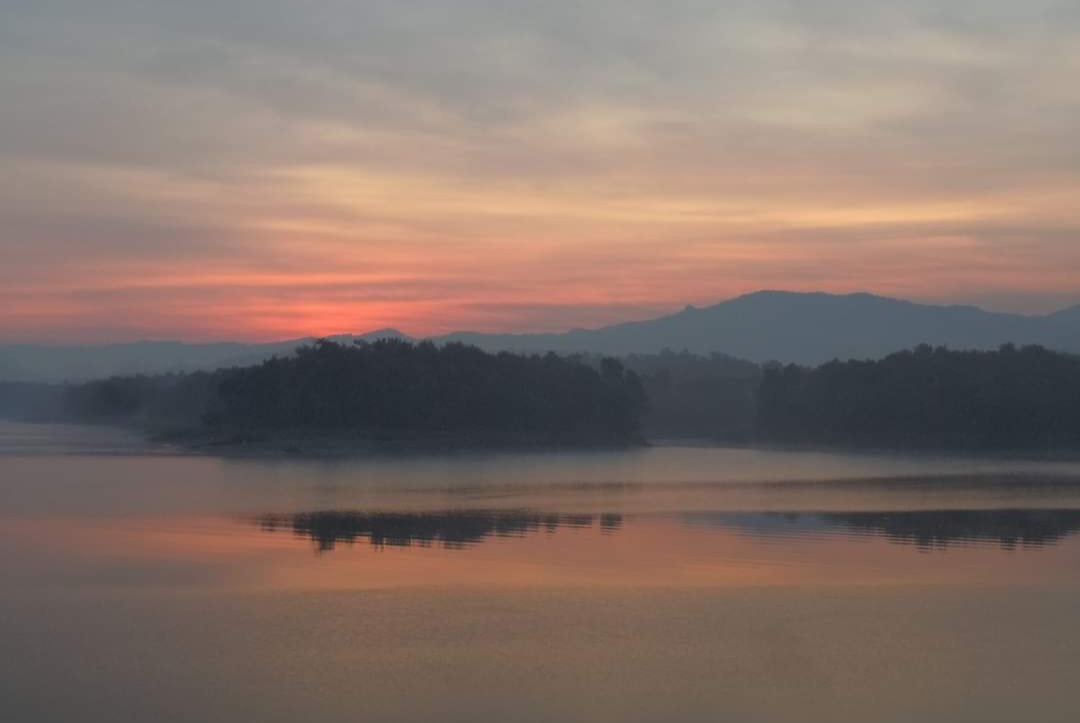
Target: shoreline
308, 444
302, 444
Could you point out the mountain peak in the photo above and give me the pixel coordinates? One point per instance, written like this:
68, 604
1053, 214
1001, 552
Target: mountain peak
800, 327
780, 294
384, 332
787, 326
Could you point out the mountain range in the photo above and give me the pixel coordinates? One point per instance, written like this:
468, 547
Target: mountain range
802, 328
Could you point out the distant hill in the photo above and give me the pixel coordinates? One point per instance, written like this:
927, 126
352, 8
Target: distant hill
805, 328
59, 363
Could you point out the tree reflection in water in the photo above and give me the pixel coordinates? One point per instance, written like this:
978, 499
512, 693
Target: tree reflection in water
939, 528
453, 530
924, 529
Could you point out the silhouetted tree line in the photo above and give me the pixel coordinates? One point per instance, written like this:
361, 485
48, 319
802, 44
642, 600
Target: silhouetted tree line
696, 396
388, 388
927, 398
687, 365
1012, 398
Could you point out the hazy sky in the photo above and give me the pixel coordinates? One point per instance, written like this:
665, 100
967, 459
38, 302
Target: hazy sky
270, 168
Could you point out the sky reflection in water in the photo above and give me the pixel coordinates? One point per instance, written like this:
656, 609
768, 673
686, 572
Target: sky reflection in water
689, 585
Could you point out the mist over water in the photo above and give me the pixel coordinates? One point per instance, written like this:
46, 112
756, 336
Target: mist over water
669, 583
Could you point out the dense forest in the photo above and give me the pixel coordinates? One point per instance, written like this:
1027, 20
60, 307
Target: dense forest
1026, 398
693, 396
696, 396
387, 389
926, 398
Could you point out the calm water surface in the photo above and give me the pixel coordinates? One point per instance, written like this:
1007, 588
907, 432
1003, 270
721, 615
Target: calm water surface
666, 584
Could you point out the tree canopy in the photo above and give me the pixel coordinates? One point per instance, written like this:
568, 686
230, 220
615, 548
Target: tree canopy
390, 388
928, 397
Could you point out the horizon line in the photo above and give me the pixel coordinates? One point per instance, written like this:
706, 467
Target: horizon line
677, 309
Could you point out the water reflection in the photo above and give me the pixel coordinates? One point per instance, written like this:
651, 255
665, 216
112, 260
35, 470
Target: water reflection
926, 530
455, 530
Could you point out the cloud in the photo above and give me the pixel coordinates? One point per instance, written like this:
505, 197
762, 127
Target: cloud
628, 154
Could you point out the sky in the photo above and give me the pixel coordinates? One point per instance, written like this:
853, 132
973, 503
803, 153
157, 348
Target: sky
269, 169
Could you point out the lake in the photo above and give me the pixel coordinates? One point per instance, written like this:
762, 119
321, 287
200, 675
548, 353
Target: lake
662, 584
